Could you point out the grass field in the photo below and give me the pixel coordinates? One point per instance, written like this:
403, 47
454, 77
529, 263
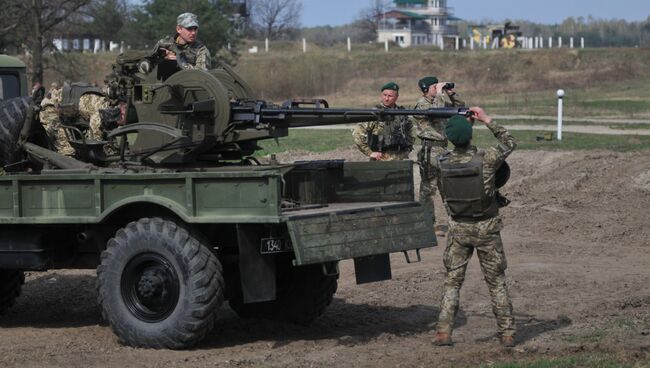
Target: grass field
314, 140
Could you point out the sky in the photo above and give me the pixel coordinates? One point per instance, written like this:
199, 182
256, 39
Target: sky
338, 12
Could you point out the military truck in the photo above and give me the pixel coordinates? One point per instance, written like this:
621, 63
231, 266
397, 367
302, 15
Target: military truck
177, 214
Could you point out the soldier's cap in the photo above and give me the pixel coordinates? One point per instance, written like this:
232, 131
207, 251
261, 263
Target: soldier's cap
458, 130
390, 85
187, 20
425, 82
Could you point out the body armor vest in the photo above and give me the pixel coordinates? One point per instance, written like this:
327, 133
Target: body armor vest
461, 187
394, 135
71, 94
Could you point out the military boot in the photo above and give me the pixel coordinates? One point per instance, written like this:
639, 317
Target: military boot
508, 341
442, 339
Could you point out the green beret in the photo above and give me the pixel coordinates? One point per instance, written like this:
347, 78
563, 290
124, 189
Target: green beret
458, 130
425, 82
390, 85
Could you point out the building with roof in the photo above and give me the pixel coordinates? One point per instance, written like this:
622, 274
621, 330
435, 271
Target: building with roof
417, 22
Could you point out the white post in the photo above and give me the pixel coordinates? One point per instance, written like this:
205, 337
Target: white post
266, 45
536, 41
541, 42
442, 43
560, 96
550, 42
349, 45
485, 42
386, 45
464, 43
457, 43
582, 42
559, 42
471, 43
571, 42
304, 45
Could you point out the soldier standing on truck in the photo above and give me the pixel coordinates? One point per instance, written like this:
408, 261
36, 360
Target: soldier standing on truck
184, 47
467, 187
390, 139
430, 131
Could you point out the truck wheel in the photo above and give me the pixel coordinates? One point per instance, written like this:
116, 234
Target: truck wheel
12, 119
10, 284
158, 286
303, 295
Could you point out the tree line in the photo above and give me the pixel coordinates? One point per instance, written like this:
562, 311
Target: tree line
32, 25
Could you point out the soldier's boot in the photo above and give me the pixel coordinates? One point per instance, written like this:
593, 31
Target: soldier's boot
508, 341
442, 339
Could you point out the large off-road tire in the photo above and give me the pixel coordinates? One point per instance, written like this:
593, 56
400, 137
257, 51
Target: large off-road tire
303, 295
11, 282
158, 286
12, 119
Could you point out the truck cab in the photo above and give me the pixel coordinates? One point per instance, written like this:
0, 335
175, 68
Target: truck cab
13, 78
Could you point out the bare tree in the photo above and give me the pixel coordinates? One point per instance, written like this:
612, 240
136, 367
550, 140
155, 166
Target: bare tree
370, 17
34, 21
275, 17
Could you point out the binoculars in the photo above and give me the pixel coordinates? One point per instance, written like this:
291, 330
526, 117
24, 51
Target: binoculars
449, 85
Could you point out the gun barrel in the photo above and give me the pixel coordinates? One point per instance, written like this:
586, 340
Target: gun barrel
303, 117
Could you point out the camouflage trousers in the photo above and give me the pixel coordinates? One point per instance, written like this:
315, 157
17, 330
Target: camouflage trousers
463, 239
52, 124
428, 178
89, 106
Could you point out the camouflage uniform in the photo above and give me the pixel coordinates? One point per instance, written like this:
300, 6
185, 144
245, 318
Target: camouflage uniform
434, 143
400, 124
49, 117
484, 236
89, 106
193, 55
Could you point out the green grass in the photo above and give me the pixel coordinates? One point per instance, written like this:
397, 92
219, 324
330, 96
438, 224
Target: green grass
314, 140
577, 361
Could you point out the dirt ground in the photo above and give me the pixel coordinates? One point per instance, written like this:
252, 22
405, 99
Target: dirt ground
577, 238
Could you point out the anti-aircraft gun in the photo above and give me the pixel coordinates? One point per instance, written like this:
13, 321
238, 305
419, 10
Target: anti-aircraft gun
204, 117
176, 217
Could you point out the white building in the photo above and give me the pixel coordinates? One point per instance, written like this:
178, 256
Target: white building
417, 22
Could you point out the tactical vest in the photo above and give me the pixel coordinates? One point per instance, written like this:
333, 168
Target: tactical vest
190, 51
394, 135
461, 187
71, 95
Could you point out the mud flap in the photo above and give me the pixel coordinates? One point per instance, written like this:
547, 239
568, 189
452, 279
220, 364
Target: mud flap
257, 271
372, 268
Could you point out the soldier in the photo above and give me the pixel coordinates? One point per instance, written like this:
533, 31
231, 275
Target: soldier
467, 187
387, 140
430, 131
188, 52
49, 117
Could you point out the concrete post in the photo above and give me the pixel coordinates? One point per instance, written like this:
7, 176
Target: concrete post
266, 45
571, 42
550, 42
559, 42
582, 42
457, 43
560, 96
471, 43
304, 45
349, 45
386, 45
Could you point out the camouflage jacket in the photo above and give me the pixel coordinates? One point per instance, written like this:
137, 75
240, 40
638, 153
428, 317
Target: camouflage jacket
429, 127
193, 55
399, 125
493, 157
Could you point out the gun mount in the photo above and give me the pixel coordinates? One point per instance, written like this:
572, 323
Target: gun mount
203, 117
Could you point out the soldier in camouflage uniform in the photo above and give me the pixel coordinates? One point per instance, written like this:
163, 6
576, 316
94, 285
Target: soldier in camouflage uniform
90, 105
467, 187
387, 140
430, 131
183, 47
49, 117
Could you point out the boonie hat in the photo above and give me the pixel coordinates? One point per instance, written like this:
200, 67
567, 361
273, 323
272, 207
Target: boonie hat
187, 20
